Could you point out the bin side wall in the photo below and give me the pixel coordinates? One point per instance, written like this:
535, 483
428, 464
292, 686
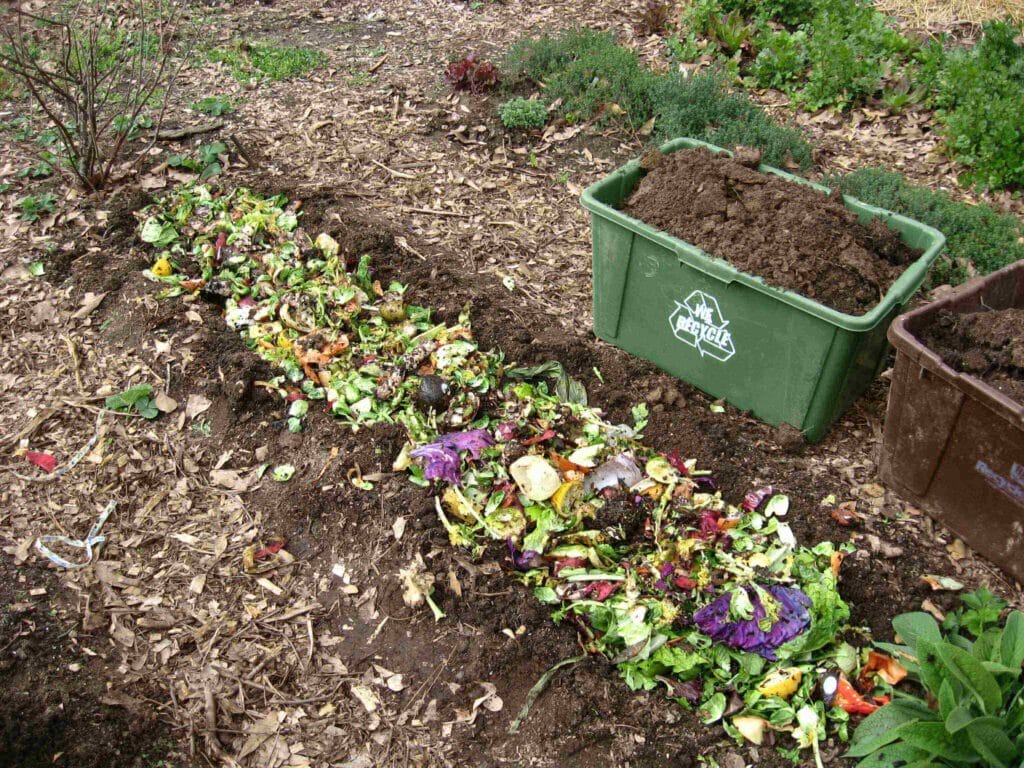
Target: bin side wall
722, 337
952, 444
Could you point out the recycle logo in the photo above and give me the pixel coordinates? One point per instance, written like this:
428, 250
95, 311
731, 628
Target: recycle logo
698, 322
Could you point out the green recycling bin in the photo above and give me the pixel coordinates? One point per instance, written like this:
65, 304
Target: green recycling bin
784, 357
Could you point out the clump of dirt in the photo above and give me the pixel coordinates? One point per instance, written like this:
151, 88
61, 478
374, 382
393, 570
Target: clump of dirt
790, 235
987, 345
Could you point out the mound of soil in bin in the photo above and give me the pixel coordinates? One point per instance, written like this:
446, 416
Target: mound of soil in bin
988, 345
790, 235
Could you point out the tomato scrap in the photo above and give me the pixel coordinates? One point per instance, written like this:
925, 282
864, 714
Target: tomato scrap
45, 461
268, 551
886, 666
839, 692
547, 434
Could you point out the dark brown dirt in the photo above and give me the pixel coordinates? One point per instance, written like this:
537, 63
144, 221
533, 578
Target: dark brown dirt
57, 711
987, 345
790, 235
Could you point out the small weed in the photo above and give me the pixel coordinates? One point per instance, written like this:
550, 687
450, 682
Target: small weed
137, 399
131, 127
202, 427
563, 178
896, 100
655, 18
20, 128
33, 207
215, 106
206, 162
524, 114
253, 61
360, 79
685, 48
472, 74
40, 170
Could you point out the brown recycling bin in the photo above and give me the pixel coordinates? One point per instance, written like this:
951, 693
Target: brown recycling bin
953, 444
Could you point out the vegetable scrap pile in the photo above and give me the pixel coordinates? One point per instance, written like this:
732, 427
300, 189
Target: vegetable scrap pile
715, 603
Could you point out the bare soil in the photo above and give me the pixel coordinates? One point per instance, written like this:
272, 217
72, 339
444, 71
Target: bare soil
987, 345
57, 710
788, 234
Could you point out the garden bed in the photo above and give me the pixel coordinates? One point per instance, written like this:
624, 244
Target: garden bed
303, 512
587, 717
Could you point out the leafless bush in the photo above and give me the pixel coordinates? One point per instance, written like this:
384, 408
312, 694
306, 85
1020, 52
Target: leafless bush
99, 71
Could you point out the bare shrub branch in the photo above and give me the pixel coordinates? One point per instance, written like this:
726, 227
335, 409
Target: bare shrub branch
95, 69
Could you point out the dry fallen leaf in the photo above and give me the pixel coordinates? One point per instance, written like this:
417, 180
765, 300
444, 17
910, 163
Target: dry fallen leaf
165, 403
937, 582
957, 550
196, 405
934, 610
366, 696
89, 303
232, 479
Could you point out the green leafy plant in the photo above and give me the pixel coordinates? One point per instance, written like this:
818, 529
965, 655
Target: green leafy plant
731, 33
471, 73
824, 53
851, 49
33, 207
138, 399
703, 107
253, 61
590, 74
40, 170
206, 162
781, 58
973, 709
978, 237
685, 47
215, 106
526, 114
981, 99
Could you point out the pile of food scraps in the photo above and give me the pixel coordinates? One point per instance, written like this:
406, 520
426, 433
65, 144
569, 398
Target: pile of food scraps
715, 603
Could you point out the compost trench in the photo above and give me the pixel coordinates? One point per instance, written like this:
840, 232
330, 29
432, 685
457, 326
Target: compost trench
588, 717
791, 235
987, 345
495, 631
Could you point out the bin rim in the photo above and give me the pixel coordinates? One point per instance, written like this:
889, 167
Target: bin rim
906, 343
898, 294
